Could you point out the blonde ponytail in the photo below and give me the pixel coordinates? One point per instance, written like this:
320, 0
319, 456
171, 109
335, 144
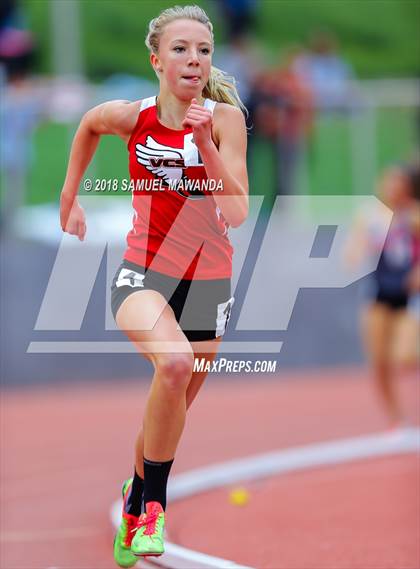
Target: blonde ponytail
220, 86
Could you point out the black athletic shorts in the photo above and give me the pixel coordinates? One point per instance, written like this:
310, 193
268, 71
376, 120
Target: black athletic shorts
395, 302
202, 307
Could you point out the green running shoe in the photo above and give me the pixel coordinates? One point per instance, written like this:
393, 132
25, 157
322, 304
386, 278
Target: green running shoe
122, 542
148, 538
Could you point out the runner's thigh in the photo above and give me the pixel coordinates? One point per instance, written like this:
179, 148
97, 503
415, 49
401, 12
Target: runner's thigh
150, 323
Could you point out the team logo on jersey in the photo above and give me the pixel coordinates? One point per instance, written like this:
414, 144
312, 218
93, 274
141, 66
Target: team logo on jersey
168, 164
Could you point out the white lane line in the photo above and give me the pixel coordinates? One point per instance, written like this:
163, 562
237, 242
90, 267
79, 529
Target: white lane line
177, 557
126, 347
264, 465
297, 458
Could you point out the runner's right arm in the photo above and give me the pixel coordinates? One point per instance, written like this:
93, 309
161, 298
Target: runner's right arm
113, 117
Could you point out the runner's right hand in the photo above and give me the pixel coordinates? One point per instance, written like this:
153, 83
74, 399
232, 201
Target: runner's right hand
72, 217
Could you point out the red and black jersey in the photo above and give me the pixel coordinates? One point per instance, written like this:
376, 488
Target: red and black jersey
176, 230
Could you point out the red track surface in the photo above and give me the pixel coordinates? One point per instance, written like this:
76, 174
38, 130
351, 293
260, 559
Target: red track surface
362, 515
66, 451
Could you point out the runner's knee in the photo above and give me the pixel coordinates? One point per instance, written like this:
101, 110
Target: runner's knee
175, 370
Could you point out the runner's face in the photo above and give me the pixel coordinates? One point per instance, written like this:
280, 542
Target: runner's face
395, 189
185, 51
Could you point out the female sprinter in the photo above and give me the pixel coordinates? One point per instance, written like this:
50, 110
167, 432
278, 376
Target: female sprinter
177, 266
389, 328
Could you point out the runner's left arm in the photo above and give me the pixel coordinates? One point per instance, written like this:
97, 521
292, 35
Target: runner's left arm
227, 162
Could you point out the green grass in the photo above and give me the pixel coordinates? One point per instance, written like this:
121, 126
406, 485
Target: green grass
328, 157
379, 37
51, 143
397, 132
327, 165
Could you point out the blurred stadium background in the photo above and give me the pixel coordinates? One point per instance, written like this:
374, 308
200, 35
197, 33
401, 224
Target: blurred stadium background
332, 89
333, 93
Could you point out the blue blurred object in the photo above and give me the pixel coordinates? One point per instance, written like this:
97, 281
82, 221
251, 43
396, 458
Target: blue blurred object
238, 16
125, 86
